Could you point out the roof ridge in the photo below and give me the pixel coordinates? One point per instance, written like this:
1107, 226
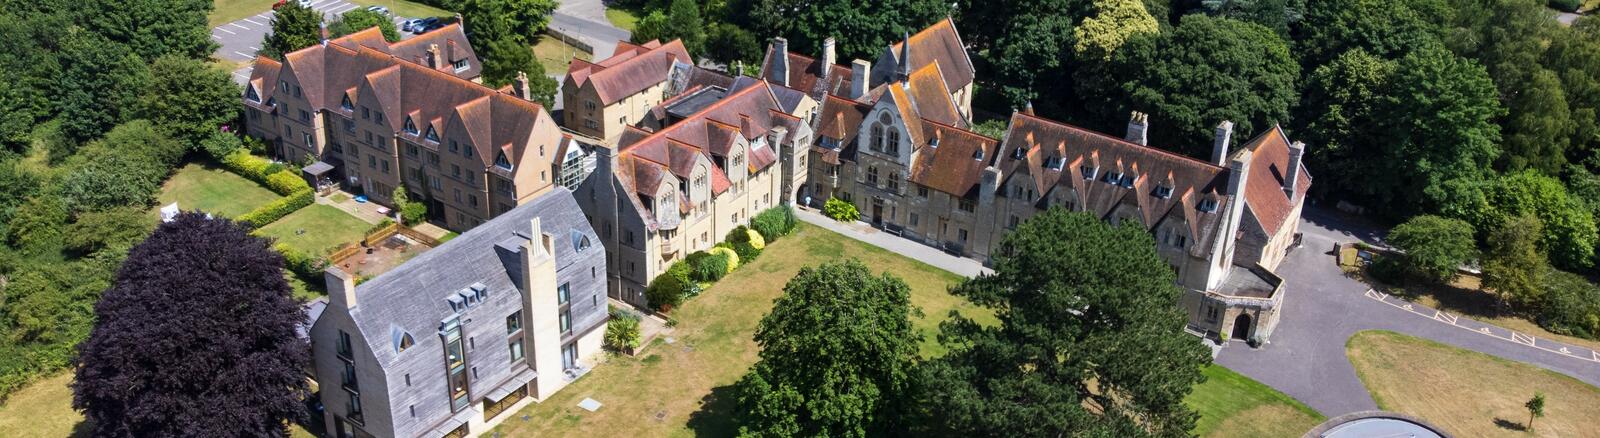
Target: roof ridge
413, 40
1118, 140
697, 114
959, 129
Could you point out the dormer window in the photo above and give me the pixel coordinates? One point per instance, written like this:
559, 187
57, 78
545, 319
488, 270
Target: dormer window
250, 93
432, 135
460, 66
828, 142
1207, 205
410, 127
346, 104
1018, 153
1088, 171
501, 161
1127, 181
978, 154
1163, 192
1113, 177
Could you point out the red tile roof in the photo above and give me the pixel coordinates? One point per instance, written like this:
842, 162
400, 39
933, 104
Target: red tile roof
940, 44
805, 74
956, 165
632, 69
1268, 167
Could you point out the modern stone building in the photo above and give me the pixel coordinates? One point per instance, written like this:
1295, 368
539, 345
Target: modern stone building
709, 159
399, 356
407, 114
894, 141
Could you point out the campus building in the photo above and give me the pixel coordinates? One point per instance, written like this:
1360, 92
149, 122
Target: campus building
701, 163
895, 141
407, 114
601, 99
463, 335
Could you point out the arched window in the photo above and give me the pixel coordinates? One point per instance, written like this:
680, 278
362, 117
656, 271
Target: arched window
877, 137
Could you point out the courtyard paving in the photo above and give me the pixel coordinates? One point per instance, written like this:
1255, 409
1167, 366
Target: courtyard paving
1324, 308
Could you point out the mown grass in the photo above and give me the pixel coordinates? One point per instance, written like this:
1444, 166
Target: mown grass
213, 190
1232, 405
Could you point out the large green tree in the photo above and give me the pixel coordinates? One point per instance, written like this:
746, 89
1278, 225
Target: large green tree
504, 59
1384, 28
1337, 114
1434, 124
860, 29
188, 99
294, 27
1089, 316
1205, 71
1434, 247
1513, 266
356, 20
101, 80
517, 20
1569, 234
152, 28
835, 354
681, 21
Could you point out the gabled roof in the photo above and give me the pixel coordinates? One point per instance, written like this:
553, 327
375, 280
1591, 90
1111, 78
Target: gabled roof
838, 123
932, 98
955, 166
940, 44
805, 73
1269, 167
633, 68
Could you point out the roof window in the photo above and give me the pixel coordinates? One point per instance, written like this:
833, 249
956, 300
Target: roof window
1207, 205
1088, 171
1163, 192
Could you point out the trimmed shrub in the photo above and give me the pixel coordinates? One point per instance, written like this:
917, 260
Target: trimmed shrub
732, 256
747, 243
841, 211
622, 332
285, 182
276, 177
756, 240
665, 292
707, 267
775, 222
275, 210
307, 266
380, 225
1570, 305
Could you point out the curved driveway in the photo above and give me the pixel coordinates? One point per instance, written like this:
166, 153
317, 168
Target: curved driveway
1323, 308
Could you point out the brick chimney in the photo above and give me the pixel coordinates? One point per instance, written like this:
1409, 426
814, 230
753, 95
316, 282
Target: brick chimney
435, 57
859, 69
1292, 174
1220, 143
519, 86
1139, 128
780, 62
341, 288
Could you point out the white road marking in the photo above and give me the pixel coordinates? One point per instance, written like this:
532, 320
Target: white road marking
217, 37
1484, 330
1596, 355
1522, 339
251, 21
255, 48
317, 4
264, 15
1407, 307
1444, 317
228, 31
342, 9
238, 26
1564, 350
246, 55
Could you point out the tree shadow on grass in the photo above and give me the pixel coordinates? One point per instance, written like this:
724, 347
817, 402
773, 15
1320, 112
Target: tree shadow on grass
1510, 425
715, 417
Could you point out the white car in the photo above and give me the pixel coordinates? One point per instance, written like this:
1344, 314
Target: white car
306, 3
379, 9
411, 24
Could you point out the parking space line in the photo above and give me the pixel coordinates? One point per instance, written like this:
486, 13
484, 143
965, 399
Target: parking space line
228, 31
246, 55
255, 48
1444, 317
316, 4
342, 9
251, 21
238, 26
1522, 339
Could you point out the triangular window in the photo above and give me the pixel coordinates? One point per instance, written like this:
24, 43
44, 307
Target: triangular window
410, 127
250, 93
431, 135
346, 104
501, 161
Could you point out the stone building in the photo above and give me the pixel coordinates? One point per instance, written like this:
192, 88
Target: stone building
601, 99
398, 356
384, 118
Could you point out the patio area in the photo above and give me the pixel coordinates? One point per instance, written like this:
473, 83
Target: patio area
381, 257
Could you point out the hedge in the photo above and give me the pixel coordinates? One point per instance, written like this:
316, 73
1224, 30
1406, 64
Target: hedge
774, 222
707, 267
275, 210
670, 288
276, 177
307, 266
841, 211
731, 255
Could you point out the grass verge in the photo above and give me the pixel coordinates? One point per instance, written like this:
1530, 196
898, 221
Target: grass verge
627, 19
227, 11
1232, 405
683, 388
1466, 392
407, 9
214, 190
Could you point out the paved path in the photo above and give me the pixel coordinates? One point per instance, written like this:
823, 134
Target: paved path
586, 20
866, 234
1323, 308
240, 39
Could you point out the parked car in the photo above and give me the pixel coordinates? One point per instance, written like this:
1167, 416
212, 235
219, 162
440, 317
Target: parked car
431, 27
379, 9
426, 25
411, 25
306, 3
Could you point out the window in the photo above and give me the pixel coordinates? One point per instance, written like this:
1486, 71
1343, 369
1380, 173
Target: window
1013, 223
588, 105
1163, 192
348, 376
467, 151
455, 364
250, 93
501, 161
514, 322
471, 198
963, 235
453, 147
411, 149
877, 137
893, 145
337, 148
922, 191
872, 175
372, 161
566, 321
385, 167
590, 123
894, 182
309, 141
967, 206
366, 113
516, 350
913, 219
460, 66
1207, 205
1088, 172
297, 91
345, 104
350, 126
344, 344
432, 135
378, 117
563, 293
410, 127
353, 407
369, 137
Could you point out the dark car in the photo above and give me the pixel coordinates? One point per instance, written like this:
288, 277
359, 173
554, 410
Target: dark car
426, 25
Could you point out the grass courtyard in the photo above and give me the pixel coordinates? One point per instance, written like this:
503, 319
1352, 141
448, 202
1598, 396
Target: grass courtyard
682, 389
1232, 405
212, 189
555, 55
316, 229
1466, 392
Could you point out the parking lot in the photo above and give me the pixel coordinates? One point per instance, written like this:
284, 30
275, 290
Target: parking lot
240, 39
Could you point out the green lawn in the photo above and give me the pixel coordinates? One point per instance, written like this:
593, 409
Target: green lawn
324, 228
1232, 405
625, 19
214, 190
407, 9
226, 11
687, 383
44, 409
555, 55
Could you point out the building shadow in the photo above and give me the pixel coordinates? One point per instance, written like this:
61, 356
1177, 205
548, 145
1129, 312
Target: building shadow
715, 417
1510, 425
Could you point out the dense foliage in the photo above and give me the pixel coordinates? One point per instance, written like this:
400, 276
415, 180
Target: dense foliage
294, 27
840, 210
504, 59
669, 289
860, 29
359, 19
680, 21
195, 282
622, 331
774, 223
1101, 326
1434, 247
836, 354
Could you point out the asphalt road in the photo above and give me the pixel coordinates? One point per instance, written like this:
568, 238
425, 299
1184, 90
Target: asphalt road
1323, 308
240, 39
586, 20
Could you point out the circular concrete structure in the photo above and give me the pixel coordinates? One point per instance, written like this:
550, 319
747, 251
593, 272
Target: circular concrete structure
1374, 424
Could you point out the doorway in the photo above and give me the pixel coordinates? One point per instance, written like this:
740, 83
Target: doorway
1241, 327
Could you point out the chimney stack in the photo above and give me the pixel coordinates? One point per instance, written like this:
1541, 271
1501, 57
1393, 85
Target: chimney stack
537, 237
904, 67
341, 288
780, 62
1297, 150
519, 86
434, 57
828, 58
1220, 144
1139, 128
859, 69
1028, 109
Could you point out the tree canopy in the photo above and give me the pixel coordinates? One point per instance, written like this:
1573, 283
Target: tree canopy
359, 19
514, 20
681, 21
294, 27
1435, 247
504, 58
835, 354
1088, 315
199, 320
860, 29
188, 99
